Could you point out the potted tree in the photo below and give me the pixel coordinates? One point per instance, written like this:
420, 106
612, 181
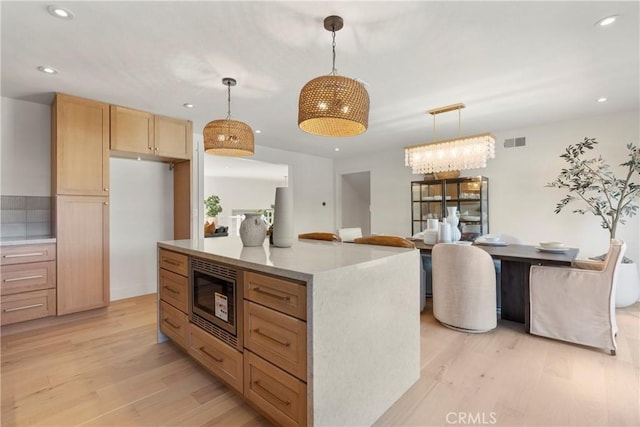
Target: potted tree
591, 182
213, 208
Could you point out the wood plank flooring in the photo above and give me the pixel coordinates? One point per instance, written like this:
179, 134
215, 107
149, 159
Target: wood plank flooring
108, 370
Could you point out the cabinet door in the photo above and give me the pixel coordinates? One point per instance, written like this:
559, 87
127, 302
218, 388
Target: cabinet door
173, 137
80, 146
83, 253
131, 130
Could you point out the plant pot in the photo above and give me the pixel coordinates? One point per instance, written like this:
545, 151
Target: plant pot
627, 285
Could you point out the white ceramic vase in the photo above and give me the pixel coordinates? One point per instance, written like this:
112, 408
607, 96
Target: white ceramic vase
453, 221
283, 218
444, 234
253, 230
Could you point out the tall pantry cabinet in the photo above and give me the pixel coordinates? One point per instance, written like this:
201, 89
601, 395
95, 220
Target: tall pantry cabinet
80, 183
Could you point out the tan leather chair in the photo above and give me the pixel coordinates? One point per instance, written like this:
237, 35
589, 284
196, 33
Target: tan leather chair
320, 236
577, 304
464, 288
400, 242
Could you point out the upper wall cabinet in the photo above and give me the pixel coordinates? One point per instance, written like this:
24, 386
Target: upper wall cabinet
135, 132
80, 146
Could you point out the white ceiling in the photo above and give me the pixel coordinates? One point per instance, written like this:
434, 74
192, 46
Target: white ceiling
514, 64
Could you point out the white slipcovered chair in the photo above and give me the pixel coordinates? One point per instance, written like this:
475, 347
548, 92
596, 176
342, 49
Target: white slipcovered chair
349, 234
464, 288
577, 304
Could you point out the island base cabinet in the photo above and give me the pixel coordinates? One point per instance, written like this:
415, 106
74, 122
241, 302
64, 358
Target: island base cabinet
28, 306
174, 324
282, 397
217, 357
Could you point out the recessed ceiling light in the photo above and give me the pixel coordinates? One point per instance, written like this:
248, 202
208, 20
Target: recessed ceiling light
602, 99
48, 70
187, 105
60, 12
336, 149
258, 131
606, 21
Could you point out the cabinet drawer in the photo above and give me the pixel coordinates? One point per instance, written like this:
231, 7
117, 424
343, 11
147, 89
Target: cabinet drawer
279, 338
27, 253
173, 289
28, 306
217, 357
27, 277
174, 324
173, 261
279, 395
282, 295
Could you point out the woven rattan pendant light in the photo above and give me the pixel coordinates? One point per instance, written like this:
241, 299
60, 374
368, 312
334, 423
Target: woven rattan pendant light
228, 137
333, 105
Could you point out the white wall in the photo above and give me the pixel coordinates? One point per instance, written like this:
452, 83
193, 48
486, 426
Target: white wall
140, 214
26, 148
311, 179
519, 203
241, 193
356, 201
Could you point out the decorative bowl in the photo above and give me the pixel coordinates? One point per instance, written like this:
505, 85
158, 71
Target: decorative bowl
551, 245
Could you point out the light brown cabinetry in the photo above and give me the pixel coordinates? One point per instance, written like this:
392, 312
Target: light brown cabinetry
217, 357
275, 341
80, 146
82, 224
149, 135
28, 287
173, 288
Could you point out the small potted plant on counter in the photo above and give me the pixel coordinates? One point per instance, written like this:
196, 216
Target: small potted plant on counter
213, 208
591, 182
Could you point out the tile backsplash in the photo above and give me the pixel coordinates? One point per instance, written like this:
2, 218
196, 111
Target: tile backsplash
25, 217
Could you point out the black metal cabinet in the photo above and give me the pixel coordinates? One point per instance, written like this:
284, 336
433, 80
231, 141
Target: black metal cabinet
430, 200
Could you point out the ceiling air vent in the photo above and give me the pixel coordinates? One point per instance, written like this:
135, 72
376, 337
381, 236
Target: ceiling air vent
515, 142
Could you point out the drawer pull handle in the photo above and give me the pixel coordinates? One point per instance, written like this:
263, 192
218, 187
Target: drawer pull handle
217, 359
282, 343
23, 278
271, 294
282, 402
26, 307
170, 289
23, 255
170, 261
170, 323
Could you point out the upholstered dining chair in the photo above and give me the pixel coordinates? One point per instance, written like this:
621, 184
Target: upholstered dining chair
577, 304
320, 236
464, 288
382, 240
349, 234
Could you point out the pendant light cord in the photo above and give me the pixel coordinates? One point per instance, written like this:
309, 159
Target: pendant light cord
228, 101
333, 46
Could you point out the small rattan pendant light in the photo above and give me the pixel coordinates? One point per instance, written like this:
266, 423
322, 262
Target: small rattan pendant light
333, 105
228, 137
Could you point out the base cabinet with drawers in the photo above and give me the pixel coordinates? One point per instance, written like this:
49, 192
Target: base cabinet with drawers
173, 282
271, 371
28, 287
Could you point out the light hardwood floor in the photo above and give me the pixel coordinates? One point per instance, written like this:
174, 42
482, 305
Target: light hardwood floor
108, 370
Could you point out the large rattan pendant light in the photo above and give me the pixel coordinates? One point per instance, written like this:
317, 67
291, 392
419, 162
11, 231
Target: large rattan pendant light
228, 137
333, 105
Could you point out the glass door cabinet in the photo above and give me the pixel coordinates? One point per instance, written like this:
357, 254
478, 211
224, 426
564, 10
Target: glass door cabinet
430, 199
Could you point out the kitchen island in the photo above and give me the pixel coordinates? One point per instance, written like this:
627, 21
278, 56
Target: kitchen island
342, 356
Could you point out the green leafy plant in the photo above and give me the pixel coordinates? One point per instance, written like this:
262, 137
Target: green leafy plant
212, 205
592, 182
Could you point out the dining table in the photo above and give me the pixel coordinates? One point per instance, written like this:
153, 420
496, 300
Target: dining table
516, 262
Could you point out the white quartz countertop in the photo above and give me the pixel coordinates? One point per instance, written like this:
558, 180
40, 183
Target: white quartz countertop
304, 259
